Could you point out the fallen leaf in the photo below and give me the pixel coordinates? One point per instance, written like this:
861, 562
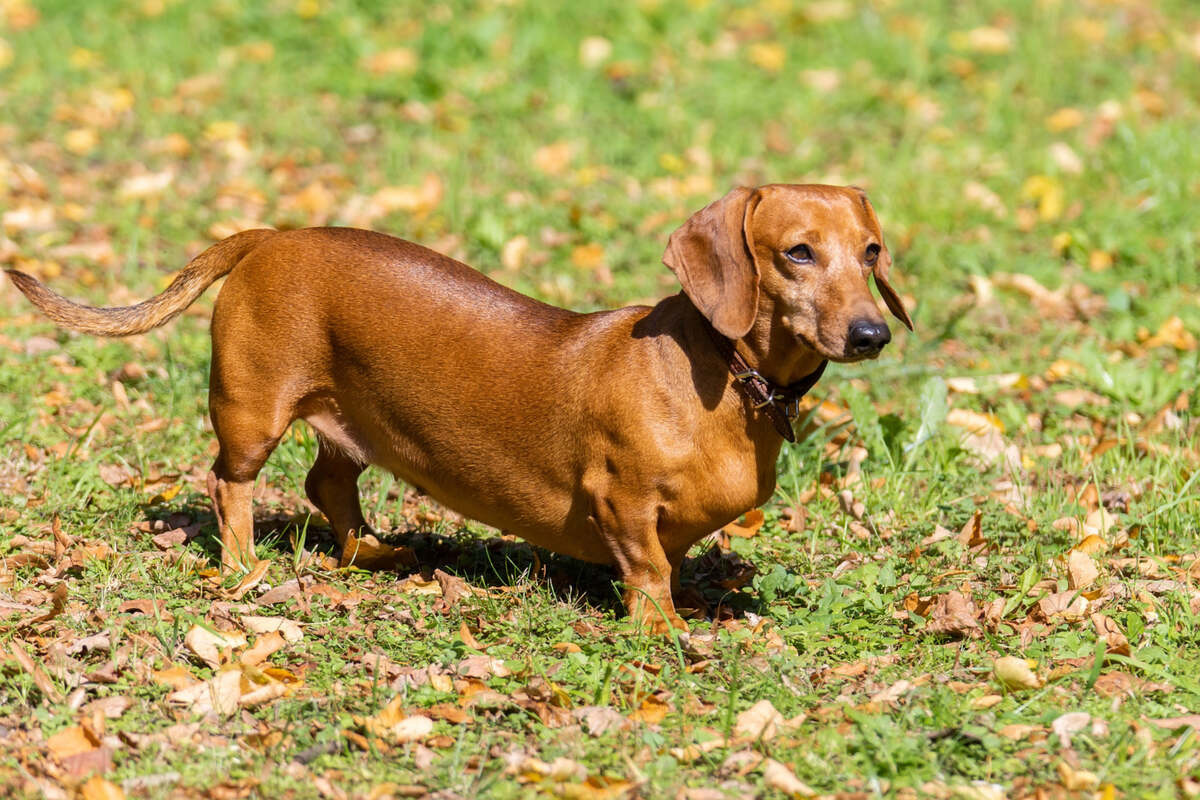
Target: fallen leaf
781, 778
553, 159
219, 694
1076, 780
252, 579
953, 614
1069, 606
40, 679
287, 628
208, 644
1111, 633
759, 722
1015, 674
1067, 725
652, 711
598, 720
1081, 570
96, 788
71, 742
748, 525
263, 647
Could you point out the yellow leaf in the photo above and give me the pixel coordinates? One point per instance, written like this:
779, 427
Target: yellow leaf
1048, 194
1064, 119
6, 54
82, 58
80, 140
1091, 544
96, 788
769, 56
1060, 243
1015, 674
594, 51
222, 131
588, 256
166, 495
1074, 780
985, 702
1172, 333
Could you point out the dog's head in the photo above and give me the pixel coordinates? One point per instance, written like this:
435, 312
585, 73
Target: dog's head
799, 255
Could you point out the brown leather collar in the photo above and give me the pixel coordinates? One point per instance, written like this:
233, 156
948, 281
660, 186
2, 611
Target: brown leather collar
780, 403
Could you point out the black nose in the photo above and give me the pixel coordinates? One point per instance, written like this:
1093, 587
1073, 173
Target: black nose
868, 338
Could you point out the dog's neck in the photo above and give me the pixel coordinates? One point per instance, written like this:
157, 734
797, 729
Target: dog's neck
768, 348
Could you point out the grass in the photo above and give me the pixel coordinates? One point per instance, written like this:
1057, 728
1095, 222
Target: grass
1045, 140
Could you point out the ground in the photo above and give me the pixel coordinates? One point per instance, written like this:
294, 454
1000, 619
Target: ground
978, 577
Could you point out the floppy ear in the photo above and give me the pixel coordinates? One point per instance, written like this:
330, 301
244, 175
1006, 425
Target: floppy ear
880, 271
882, 266
712, 254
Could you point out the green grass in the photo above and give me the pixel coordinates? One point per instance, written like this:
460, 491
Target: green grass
687, 104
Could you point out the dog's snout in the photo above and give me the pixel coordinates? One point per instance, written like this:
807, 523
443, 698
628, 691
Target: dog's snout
868, 337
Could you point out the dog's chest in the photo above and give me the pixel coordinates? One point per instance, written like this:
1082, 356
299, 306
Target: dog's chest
716, 490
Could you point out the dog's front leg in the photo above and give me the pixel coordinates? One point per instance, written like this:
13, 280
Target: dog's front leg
643, 566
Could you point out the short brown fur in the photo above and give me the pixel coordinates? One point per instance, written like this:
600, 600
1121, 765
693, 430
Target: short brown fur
617, 437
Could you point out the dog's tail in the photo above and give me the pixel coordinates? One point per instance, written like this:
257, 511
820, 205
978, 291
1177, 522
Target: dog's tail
188, 285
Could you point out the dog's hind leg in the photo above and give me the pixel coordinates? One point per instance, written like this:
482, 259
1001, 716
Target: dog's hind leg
246, 440
332, 486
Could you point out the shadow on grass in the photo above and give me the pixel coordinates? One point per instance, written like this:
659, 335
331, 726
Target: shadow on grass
482, 560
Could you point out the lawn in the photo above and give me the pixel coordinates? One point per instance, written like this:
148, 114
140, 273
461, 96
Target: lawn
978, 577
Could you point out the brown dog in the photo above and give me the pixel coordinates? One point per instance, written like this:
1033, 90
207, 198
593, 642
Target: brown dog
618, 437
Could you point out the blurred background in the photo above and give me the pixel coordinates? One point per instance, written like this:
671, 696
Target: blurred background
1035, 164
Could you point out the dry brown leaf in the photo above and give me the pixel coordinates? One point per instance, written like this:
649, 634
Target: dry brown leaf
40, 679
1081, 570
953, 614
263, 647
781, 778
1111, 633
553, 159
71, 742
1174, 723
96, 788
453, 588
748, 525
287, 628
392, 725
219, 694
109, 707
252, 579
1069, 606
760, 721
208, 645
652, 711
598, 720
58, 601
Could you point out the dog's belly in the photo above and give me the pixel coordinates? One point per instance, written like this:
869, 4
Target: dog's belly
515, 496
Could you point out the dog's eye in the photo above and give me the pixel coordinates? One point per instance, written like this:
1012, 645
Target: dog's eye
800, 254
872, 254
